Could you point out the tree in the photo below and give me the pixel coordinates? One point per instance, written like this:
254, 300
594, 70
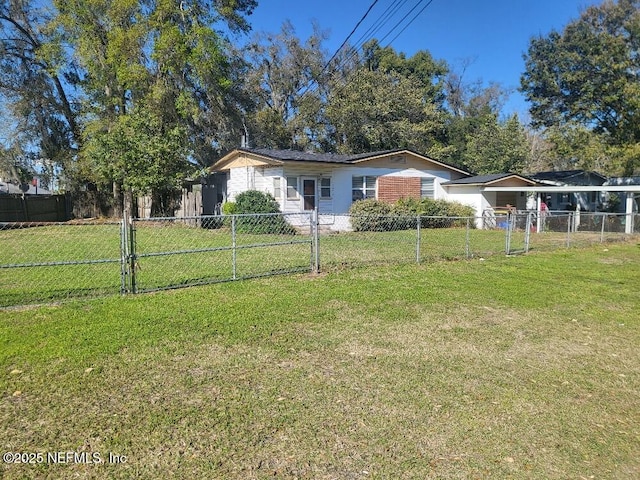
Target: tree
497, 147
473, 122
589, 75
387, 101
286, 83
143, 154
161, 62
36, 85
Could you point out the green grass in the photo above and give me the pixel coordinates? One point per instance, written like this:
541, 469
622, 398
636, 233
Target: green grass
206, 255
522, 367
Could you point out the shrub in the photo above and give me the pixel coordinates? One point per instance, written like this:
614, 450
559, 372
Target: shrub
377, 216
371, 215
253, 202
444, 208
229, 208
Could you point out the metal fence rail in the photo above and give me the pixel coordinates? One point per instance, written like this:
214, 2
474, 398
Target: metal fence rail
46, 262
174, 252
550, 231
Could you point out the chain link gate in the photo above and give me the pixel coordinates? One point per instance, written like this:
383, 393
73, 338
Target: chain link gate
173, 252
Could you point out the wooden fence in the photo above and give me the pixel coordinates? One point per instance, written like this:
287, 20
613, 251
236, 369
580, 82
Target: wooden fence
35, 208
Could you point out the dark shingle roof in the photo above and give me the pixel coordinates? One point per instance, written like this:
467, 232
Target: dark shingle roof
565, 175
294, 155
482, 179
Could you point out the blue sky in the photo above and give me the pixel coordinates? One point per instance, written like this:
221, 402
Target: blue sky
493, 34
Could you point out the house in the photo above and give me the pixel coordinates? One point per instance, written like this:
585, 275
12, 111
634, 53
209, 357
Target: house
587, 201
303, 181
619, 203
15, 188
330, 183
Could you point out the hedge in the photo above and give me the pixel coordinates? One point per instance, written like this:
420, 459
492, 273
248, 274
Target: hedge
377, 216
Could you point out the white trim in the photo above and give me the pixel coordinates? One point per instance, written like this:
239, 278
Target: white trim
567, 188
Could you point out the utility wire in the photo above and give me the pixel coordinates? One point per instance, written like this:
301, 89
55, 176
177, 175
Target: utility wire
352, 32
410, 22
388, 14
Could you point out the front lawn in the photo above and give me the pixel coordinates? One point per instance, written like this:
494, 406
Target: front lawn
520, 367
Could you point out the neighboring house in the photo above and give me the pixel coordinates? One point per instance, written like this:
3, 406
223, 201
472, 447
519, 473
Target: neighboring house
303, 181
14, 188
588, 201
619, 202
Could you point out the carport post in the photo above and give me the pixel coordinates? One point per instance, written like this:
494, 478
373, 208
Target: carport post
628, 225
539, 210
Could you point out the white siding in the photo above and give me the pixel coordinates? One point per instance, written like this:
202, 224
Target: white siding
473, 197
261, 178
310, 171
342, 182
240, 180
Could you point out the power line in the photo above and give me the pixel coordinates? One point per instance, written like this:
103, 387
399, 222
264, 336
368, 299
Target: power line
410, 22
385, 17
350, 34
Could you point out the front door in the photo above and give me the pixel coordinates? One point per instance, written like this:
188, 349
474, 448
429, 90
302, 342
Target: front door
309, 193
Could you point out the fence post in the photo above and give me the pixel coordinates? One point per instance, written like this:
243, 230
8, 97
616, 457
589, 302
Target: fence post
233, 247
467, 240
315, 241
604, 218
508, 235
132, 254
527, 233
569, 223
124, 255
418, 239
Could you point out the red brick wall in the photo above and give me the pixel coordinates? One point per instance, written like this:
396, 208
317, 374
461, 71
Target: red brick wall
391, 189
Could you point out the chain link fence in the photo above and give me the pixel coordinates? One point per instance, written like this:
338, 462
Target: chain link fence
174, 252
540, 231
371, 239
43, 263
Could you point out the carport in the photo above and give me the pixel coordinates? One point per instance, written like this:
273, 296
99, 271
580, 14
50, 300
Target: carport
631, 190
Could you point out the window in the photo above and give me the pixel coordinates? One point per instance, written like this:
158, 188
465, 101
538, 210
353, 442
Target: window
325, 188
363, 187
276, 188
427, 188
292, 188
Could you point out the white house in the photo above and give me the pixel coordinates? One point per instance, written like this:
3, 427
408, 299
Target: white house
302, 181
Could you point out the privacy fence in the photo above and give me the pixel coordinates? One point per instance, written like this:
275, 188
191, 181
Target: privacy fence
48, 262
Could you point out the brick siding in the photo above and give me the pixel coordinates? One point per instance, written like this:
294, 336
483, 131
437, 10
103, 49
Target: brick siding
391, 189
